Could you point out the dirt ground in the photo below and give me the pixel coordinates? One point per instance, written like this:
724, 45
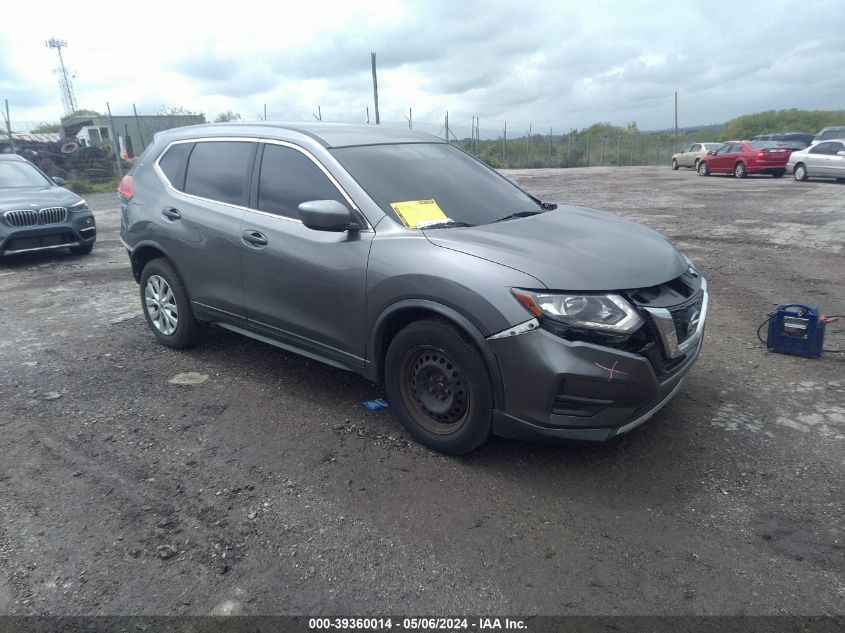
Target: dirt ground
265, 488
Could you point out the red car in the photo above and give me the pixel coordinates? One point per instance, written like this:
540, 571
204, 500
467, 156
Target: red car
741, 158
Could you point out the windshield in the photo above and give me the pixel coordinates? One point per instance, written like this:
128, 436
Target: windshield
15, 173
425, 183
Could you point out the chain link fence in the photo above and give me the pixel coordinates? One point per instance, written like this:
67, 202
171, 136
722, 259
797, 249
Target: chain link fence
99, 148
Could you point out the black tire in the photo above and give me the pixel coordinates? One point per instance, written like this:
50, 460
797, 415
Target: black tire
739, 170
439, 386
779, 173
703, 169
697, 160
82, 249
186, 330
800, 172
674, 164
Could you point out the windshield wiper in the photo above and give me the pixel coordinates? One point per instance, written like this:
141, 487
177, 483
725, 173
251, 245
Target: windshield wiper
518, 214
448, 224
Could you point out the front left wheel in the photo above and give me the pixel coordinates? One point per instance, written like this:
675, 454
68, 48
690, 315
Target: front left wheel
438, 383
675, 164
167, 308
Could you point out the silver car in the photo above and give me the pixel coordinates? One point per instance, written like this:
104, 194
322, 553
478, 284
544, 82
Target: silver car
822, 160
692, 154
396, 255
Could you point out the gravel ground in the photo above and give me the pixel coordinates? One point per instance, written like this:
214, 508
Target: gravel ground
265, 488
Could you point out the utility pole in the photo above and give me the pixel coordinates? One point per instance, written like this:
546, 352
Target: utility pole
115, 143
601, 151
676, 119
375, 85
505, 146
265, 111
618, 150
368, 115
569, 151
410, 118
319, 115
140, 132
9, 128
632, 148
68, 98
588, 149
550, 147
447, 127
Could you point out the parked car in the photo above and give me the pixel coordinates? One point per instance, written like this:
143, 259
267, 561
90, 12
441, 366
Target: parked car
741, 158
393, 254
793, 140
822, 160
38, 214
692, 154
827, 133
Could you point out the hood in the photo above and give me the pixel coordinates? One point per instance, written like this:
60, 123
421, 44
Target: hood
571, 248
36, 197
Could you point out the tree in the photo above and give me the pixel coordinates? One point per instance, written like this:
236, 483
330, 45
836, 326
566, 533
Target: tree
165, 110
792, 120
76, 113
228, 115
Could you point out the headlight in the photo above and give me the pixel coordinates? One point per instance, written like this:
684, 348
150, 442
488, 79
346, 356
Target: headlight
79, 207
690, 266
607, 313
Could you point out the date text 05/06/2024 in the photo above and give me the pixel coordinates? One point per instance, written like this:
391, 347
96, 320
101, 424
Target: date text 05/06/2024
417, 624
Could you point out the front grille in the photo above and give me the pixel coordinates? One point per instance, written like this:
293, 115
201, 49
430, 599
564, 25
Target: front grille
682, 314
31, 217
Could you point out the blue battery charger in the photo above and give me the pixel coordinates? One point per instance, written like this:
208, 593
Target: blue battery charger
796, 329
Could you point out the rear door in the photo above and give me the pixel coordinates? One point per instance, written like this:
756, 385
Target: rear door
197, 223
302, 286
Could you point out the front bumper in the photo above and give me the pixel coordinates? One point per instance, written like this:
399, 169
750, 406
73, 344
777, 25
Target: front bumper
77, 230
555, 388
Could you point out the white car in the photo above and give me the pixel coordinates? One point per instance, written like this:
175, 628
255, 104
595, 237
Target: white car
822, 160
692, 154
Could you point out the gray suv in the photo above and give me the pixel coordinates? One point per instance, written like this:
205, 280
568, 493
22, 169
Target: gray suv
396, 255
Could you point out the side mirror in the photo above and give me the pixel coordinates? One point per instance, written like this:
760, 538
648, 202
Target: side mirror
326, 215
58, 180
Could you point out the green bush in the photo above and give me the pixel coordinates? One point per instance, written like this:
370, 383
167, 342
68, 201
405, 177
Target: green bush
83, 187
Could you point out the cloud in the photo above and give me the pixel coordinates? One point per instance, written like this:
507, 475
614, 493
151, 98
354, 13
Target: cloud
548, 62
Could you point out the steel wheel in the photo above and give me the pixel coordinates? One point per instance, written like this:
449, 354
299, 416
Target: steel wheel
800, 172
434, 390
161, 305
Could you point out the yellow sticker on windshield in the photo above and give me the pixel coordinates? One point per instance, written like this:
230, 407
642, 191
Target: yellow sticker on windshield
416, 212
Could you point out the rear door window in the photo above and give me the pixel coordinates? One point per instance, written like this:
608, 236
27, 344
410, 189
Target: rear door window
219, 170
288, 178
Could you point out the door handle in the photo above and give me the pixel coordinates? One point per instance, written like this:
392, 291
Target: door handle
171, 214
254, 238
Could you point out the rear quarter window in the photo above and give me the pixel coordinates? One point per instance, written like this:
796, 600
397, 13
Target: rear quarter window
219, 170
173, 164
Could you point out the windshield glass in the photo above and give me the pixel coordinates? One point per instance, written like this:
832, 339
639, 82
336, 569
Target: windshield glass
15, 173
422, 183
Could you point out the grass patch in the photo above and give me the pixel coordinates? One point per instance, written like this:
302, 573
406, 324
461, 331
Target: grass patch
82, 187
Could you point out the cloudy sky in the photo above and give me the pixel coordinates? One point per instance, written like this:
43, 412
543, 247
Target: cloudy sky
563, 64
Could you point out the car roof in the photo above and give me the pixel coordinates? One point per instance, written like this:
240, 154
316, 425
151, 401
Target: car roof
326, 134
